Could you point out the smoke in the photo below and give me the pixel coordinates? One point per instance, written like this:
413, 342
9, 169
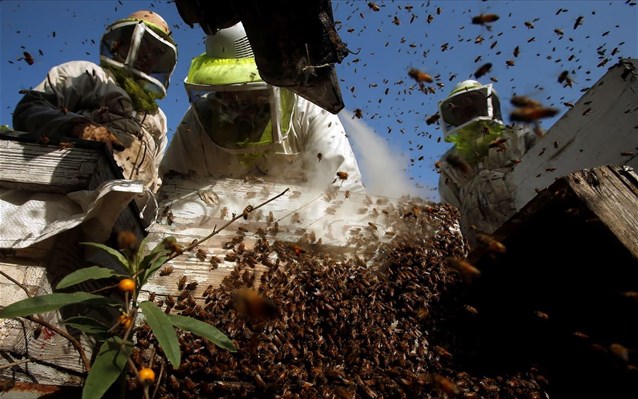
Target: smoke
382, 167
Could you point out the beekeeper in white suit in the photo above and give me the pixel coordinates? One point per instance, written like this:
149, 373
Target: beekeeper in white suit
114, 102
237, 125
474, 172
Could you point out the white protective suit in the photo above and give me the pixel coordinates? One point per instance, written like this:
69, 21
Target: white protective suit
80, 90
313, 150
73, 92
484, 195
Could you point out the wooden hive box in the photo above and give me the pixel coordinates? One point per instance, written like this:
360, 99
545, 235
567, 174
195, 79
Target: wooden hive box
565, 293
191, 208
28, 164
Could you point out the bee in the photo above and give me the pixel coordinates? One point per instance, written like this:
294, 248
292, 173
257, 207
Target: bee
490, 243
568, 104
246, 211
319, 156
484, 69
347, 194
470, 309
522, 101
342, 175
420, 76
170, 219
28, 58
458, 163
432, 119
541, 315
619, 351
530, 114
201, 254
446, 385
529, 25
192, 286
181, 283
65, 146
579, 21
517, 51
483, 19
559, 32
249, 303
498, 143
479, 39
373, 6
358, 113
465, 268
509, 63
396, 21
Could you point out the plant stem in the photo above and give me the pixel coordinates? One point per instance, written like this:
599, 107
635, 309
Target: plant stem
14, 281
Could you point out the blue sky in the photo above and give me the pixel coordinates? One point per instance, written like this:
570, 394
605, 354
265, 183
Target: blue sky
435, 37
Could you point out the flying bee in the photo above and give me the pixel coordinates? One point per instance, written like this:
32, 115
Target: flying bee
28, 58
170, 219
484, 69
619, 351
509, 63
358, 113
420, 76
465, 268
490, 243
579, 21
446, 385
432, 119
342, 175
246, 211
373, 6
517, 51
166, 271
498, 143
249, 303
529, 25
530, 114
483, 19
319, 156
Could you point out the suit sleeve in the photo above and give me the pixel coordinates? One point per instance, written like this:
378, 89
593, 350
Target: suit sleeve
49, 109
326, 136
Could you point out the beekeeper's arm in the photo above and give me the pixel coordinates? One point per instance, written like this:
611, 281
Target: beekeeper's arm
48, 108
326, 148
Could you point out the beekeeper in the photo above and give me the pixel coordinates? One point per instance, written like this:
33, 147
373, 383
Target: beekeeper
474, 172
237, 125
114, 102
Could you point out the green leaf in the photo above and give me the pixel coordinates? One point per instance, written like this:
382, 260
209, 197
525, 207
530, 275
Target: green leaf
107, 367
203, 330
152, 268
88, 273
113, 252
163, 331
155, 259
85, 324
49, 302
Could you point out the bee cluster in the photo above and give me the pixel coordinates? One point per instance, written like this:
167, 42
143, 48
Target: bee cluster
335, 325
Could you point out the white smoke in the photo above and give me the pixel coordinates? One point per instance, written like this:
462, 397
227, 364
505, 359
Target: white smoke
382, 167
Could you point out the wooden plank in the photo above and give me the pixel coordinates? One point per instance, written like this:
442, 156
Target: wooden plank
599, 130
33, 167
612, 194
353, 225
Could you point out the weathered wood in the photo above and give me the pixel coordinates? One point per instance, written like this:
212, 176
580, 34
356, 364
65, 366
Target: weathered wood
612, 194
28, 165
355, 224
599, 130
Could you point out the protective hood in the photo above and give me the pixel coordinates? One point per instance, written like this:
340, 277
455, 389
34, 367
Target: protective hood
143, 49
